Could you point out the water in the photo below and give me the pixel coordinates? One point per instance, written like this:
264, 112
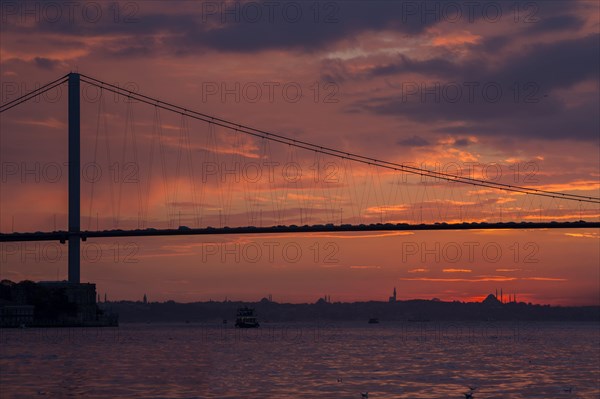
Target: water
327, 360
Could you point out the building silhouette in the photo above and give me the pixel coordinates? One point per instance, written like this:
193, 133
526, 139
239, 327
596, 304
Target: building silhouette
51, 303
393, 297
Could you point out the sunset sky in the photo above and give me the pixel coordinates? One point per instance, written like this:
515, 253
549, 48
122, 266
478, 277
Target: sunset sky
505, 92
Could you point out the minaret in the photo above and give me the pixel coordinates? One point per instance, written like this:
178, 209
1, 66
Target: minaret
394, 294
501, 296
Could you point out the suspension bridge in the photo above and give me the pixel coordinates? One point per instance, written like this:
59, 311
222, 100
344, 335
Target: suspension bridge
252, 181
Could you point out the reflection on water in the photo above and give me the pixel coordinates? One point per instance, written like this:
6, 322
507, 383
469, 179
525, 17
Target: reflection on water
336, 360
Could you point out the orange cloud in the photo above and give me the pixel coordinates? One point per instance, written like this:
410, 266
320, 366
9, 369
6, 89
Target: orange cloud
544, 279
583, 235
577, 185
457, 270
455, 280
51, 123
456, 39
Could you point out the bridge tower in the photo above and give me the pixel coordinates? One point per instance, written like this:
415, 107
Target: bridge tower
74, 177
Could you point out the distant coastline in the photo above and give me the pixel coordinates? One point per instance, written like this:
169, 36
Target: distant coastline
490, 309
61, 303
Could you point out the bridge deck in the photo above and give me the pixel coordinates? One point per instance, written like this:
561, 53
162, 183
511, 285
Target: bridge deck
182, 231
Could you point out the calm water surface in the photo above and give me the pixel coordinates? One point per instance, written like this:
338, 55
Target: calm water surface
327, 360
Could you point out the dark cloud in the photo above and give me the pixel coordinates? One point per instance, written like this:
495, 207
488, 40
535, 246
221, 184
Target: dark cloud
520, 94
551, 119
290, 25
313, 30
414, 141
190, 27
493, 44
434, 66
334, 70
46, 63
558, 23
555, 65
550, 65
463, 142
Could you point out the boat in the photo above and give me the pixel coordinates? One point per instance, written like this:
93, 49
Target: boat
246, 318
373, 320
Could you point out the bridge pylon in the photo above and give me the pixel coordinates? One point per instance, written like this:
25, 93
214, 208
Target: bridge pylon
74, 177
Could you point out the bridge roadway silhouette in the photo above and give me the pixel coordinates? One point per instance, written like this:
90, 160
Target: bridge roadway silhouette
63, 236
